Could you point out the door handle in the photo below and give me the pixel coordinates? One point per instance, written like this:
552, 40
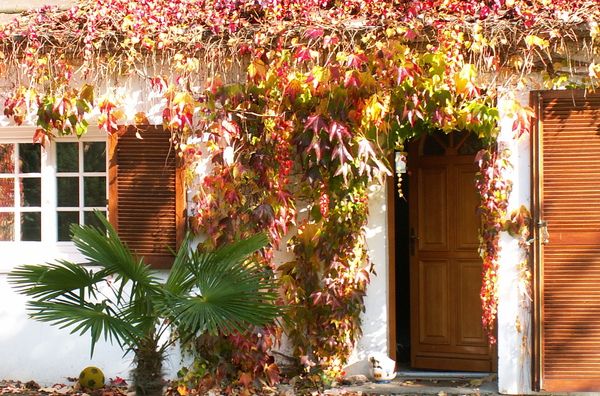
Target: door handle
543, 232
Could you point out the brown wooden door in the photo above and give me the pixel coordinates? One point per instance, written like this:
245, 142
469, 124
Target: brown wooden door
445, 268
566, 199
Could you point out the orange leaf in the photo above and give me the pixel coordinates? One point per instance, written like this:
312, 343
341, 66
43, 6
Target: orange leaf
182, 390
245, 379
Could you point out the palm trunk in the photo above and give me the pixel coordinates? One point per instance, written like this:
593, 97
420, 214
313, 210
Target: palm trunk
147, 373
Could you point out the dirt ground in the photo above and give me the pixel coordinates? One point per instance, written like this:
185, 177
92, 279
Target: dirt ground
400, 386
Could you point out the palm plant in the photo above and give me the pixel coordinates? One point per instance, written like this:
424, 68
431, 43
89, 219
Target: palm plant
124, 300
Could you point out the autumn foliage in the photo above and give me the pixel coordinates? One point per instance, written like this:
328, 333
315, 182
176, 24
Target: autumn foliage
295, 106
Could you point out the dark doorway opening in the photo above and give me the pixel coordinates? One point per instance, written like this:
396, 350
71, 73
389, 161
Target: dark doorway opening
402, 241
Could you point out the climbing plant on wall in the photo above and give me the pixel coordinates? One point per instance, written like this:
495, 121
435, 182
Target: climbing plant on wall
294, 107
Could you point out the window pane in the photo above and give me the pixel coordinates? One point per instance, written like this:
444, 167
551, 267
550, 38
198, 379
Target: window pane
31, 226
94, 157
29, 158
89, 218
7, 160
7, 226
94, 191
31, 191
67, 159
65, 219
7, 192
67, 194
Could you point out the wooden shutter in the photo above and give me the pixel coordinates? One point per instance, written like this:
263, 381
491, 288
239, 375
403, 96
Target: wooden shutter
146, 195
566, 165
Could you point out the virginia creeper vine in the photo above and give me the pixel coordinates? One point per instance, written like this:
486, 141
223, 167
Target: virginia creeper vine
292, 109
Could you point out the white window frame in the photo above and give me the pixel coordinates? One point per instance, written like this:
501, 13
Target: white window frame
49, 249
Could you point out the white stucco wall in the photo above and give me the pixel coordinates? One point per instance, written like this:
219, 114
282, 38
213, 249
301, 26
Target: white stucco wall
375, 318
31, 350
514, 317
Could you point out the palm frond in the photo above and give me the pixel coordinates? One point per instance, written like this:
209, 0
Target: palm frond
225, 314
45, 282
181, 279
104, 248
86, 318
240, 250
229, 292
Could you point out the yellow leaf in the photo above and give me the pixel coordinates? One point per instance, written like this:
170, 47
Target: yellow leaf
87, 93
183, 98
127, 23
118, 114
341, 57
594, 30
533, 40
182, 390
464, 78
257, 69
594, 70
309, 233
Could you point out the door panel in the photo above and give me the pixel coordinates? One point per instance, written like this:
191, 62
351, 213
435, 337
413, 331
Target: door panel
467, 226
433, 209
445, 265
567, 197
434, 302
470, 331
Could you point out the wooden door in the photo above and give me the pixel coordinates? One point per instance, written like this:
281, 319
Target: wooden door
445, 268
566, 209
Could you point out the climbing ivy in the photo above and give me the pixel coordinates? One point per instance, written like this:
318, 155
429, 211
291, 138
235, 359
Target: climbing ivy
324, 92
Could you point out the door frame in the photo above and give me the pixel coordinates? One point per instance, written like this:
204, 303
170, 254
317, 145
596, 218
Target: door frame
391, 190
391, 234
535, 100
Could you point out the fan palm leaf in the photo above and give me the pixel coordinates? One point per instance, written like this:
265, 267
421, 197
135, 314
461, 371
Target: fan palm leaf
227, 293
103, 247
87, 318
181, 278
52, 280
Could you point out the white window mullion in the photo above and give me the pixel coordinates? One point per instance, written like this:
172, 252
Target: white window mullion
49, 215
81, 197
17, 194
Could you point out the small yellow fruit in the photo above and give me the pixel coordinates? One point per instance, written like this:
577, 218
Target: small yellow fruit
91, 378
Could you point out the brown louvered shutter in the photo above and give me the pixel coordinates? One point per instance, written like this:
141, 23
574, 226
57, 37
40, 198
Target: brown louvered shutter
146, 195
566, 167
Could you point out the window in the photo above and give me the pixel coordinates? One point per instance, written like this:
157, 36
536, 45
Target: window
44, 191
20, 192
80, 184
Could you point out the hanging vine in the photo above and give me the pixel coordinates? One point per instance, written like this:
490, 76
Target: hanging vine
494, 188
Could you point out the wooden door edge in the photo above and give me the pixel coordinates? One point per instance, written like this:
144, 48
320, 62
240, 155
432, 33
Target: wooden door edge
391, 235
411, 165
113, 196
536, 100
